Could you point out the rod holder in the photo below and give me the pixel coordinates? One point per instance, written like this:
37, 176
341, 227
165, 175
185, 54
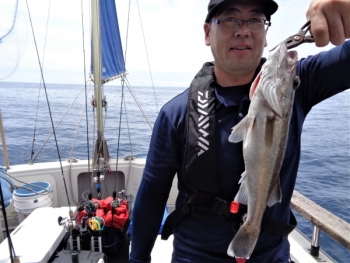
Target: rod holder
315, 248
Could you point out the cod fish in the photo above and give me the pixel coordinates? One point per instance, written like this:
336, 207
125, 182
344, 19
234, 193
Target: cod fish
264, 132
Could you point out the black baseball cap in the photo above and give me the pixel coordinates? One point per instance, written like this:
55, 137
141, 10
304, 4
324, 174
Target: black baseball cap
270, 7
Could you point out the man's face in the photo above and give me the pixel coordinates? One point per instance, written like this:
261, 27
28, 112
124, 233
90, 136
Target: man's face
236, 52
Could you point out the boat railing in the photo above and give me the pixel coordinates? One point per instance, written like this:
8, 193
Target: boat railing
323, 220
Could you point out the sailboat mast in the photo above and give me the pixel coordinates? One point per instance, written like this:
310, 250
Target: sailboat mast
96, 45
101, 154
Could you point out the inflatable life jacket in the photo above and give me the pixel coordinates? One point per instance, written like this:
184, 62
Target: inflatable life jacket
199, 165
116, 218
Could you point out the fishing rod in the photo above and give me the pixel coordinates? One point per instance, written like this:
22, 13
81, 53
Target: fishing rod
13, 257
51, 119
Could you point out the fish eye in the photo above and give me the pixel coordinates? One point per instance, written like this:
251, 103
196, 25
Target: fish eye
296, 82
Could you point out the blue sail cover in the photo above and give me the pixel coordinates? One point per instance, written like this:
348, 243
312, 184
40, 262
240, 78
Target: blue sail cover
112, 52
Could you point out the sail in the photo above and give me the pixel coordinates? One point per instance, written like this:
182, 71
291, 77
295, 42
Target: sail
112, 52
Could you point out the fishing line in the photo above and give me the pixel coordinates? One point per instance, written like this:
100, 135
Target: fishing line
14, 187
48, 104
37, 106
9, 239
35, 122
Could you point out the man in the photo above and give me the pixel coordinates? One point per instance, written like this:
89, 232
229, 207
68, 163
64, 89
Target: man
208, 176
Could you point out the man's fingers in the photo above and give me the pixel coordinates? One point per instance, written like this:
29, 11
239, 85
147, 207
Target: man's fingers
346, 22
337, 30
330, 21
319, 28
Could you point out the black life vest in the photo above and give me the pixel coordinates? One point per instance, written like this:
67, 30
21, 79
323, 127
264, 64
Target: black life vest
199, 165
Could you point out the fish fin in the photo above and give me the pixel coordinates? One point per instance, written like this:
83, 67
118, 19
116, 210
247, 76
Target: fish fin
242, 194
243, 243
238, 131
242, 130
254, 85
276, 194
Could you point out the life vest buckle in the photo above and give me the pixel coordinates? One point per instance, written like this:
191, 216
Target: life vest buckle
234, 207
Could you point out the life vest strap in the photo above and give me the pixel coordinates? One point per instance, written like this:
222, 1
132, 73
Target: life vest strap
201, 204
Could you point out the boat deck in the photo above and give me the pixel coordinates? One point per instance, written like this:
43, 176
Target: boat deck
34, 244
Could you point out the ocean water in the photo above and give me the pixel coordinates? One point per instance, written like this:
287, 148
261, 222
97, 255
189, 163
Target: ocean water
324, 172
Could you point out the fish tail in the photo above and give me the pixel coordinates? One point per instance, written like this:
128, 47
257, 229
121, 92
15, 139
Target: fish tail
242, 245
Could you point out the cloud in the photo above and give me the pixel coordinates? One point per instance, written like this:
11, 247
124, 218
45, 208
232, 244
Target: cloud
169, 42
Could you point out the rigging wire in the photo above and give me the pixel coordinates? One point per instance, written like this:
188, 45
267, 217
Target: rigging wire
71, 159
122, 77
119, 132
37, 106
86, 93
127, 125
123, 80
48, 104
149, 66
138, 104
127, 36
66, 112
77, 130
93, 146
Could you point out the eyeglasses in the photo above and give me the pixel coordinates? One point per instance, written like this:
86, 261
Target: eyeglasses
233, 24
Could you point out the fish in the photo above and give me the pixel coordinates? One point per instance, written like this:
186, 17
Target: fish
264, 131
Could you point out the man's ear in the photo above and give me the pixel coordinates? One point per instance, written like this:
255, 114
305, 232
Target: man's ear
265, 45
206, 32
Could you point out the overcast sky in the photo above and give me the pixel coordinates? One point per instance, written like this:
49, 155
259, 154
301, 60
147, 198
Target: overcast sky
173, 34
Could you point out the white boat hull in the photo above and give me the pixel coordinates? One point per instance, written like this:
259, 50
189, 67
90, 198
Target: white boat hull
31, 236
